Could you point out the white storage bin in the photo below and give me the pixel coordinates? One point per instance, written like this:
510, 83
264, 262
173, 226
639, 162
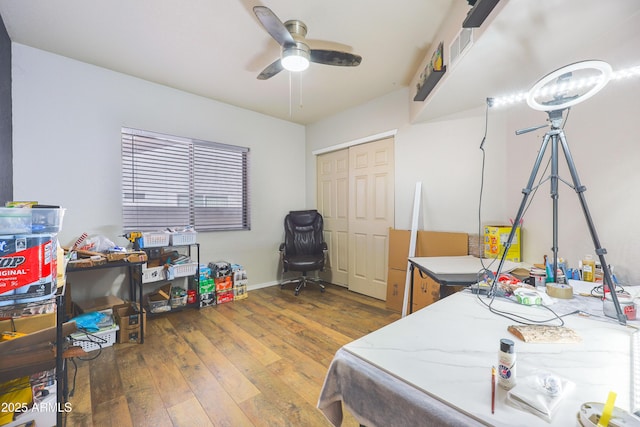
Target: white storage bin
153, 274
90, 341
182, 270
183, 238
154, 240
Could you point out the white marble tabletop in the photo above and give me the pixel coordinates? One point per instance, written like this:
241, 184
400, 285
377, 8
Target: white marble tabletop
448, 348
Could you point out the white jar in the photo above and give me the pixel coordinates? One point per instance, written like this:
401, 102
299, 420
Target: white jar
507, 364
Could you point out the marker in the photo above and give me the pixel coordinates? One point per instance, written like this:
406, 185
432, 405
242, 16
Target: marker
493, 389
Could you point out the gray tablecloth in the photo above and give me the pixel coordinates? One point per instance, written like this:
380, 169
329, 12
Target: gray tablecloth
376, 398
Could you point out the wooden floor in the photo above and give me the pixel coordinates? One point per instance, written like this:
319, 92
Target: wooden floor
260, 361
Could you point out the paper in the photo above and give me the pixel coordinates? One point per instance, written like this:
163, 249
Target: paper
540, 394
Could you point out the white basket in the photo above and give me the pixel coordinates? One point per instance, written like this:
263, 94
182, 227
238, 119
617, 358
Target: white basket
183, 238
182, 270
154, 240
90, 341
152, 274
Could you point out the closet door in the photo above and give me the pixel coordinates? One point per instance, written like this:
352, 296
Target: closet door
332, 201
371, 214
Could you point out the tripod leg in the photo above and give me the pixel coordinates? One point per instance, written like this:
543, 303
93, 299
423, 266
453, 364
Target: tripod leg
516, 222
600, 251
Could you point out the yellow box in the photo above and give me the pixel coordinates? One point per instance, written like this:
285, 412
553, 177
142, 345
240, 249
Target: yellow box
495, 239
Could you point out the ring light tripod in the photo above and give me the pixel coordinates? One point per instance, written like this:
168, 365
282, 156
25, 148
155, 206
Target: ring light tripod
564, 89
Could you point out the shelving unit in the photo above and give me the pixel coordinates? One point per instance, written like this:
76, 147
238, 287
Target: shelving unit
192, 280
430, 82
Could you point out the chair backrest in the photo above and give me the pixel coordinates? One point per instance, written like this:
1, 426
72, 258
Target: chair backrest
303, 233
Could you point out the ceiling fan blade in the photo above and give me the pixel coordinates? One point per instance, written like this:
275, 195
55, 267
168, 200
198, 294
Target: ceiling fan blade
273, 25
334, 57
271, 70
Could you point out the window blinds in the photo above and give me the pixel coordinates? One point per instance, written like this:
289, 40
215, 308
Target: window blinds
170, 181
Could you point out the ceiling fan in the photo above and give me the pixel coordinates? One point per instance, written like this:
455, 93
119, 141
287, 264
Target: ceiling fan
296, 53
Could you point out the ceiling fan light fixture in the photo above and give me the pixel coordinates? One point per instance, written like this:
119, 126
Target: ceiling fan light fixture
295, 58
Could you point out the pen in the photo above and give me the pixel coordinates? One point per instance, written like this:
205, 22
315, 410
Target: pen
493, 389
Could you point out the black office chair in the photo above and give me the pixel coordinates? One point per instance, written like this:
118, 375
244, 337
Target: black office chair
304, 248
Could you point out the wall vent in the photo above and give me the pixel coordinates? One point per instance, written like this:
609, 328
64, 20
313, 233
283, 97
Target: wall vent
460, 45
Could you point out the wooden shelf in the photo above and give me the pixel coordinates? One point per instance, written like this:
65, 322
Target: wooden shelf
431, 82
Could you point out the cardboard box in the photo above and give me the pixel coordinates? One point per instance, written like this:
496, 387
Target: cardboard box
440, 243
240, 290
399, 241
428, 243
99, 303
495, 238
425, 290
223, 283
207, 299
127, 317
224, 296
29, 324
395, 289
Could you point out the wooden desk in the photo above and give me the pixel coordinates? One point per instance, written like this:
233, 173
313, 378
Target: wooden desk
433, 367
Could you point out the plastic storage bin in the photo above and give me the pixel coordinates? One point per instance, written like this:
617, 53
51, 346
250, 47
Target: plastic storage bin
90, 341
183, 270
46, 220
179, 238
153, 274
154, 240
15, 220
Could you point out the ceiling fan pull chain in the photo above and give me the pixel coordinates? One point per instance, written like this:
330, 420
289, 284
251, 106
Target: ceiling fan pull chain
290, 96
300, 81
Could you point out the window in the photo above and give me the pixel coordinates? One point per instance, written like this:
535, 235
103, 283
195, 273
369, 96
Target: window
169, 181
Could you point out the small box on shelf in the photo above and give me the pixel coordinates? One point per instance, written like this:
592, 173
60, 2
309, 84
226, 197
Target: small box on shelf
127, 317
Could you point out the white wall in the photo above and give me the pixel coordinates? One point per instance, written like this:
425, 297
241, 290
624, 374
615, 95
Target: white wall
444, 155
67, 118
603, 139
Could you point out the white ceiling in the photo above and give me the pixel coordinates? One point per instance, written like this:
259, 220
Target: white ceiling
216, 48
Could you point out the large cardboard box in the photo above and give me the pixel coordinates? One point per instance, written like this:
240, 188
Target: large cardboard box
441, 243
428, 243
425, 290
399, 248
495, 238
395, 288
127, 317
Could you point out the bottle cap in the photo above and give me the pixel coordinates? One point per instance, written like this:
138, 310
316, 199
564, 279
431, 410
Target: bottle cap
507, 346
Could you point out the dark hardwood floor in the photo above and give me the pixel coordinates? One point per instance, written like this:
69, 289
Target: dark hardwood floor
260, 361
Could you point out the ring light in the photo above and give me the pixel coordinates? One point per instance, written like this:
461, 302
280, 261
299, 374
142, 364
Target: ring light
569, 85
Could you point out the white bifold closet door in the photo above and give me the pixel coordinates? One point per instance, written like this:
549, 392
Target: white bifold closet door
356, 198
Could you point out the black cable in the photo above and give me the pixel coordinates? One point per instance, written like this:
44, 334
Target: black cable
522, 319
511, 316
75, 373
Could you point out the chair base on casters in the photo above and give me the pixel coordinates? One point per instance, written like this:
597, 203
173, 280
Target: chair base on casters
302, 283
